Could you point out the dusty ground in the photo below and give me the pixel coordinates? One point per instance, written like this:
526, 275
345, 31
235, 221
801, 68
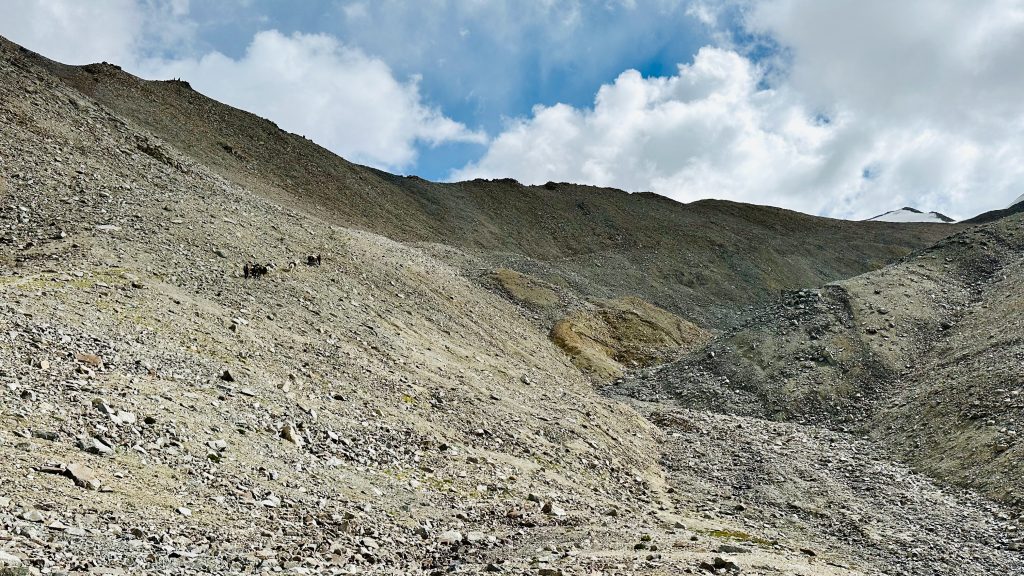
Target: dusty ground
388, 411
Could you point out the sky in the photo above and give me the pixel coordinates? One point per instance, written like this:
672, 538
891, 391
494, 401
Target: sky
842, 108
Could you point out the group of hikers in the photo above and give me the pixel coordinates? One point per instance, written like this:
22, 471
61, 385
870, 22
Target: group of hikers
257, 270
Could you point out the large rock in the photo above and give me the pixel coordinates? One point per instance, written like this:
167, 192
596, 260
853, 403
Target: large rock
83, 476
290, 433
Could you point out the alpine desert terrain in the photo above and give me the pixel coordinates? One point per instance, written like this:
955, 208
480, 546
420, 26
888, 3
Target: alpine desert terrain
472, 377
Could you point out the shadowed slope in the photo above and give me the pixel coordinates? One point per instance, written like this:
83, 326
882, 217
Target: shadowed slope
924, 355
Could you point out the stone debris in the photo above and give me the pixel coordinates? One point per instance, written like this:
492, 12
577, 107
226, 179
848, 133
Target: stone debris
552, 509
90, 359
719, 564
82, 475
32, 516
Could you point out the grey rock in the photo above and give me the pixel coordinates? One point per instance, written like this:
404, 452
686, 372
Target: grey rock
8, 560
733, 549
450, 537
553, 510
83, 476
291, 434
93, 445
32, 515
124, 417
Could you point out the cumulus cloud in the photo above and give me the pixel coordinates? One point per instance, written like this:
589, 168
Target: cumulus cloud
314, 85
864, 106
708, 131
926, 58
931, 86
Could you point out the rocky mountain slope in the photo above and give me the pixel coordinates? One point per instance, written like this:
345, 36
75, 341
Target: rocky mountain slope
702, 261
379, 411
400, 407
922, 357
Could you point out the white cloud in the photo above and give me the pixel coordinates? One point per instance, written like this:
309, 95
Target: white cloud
355, 11
313, 85
878, 105
75, 32
708, 131
703, 12
926, 58
117, 31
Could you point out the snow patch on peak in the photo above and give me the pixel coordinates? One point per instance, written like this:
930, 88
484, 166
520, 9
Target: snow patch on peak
908, 214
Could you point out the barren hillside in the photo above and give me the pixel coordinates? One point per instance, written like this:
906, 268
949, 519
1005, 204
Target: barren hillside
401, 407
703, 260
923, 357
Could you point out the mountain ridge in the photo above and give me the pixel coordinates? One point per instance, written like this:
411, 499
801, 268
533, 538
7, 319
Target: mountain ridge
650, 245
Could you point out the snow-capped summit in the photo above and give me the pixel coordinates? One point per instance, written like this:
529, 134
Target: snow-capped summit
908, 214
1017, 201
